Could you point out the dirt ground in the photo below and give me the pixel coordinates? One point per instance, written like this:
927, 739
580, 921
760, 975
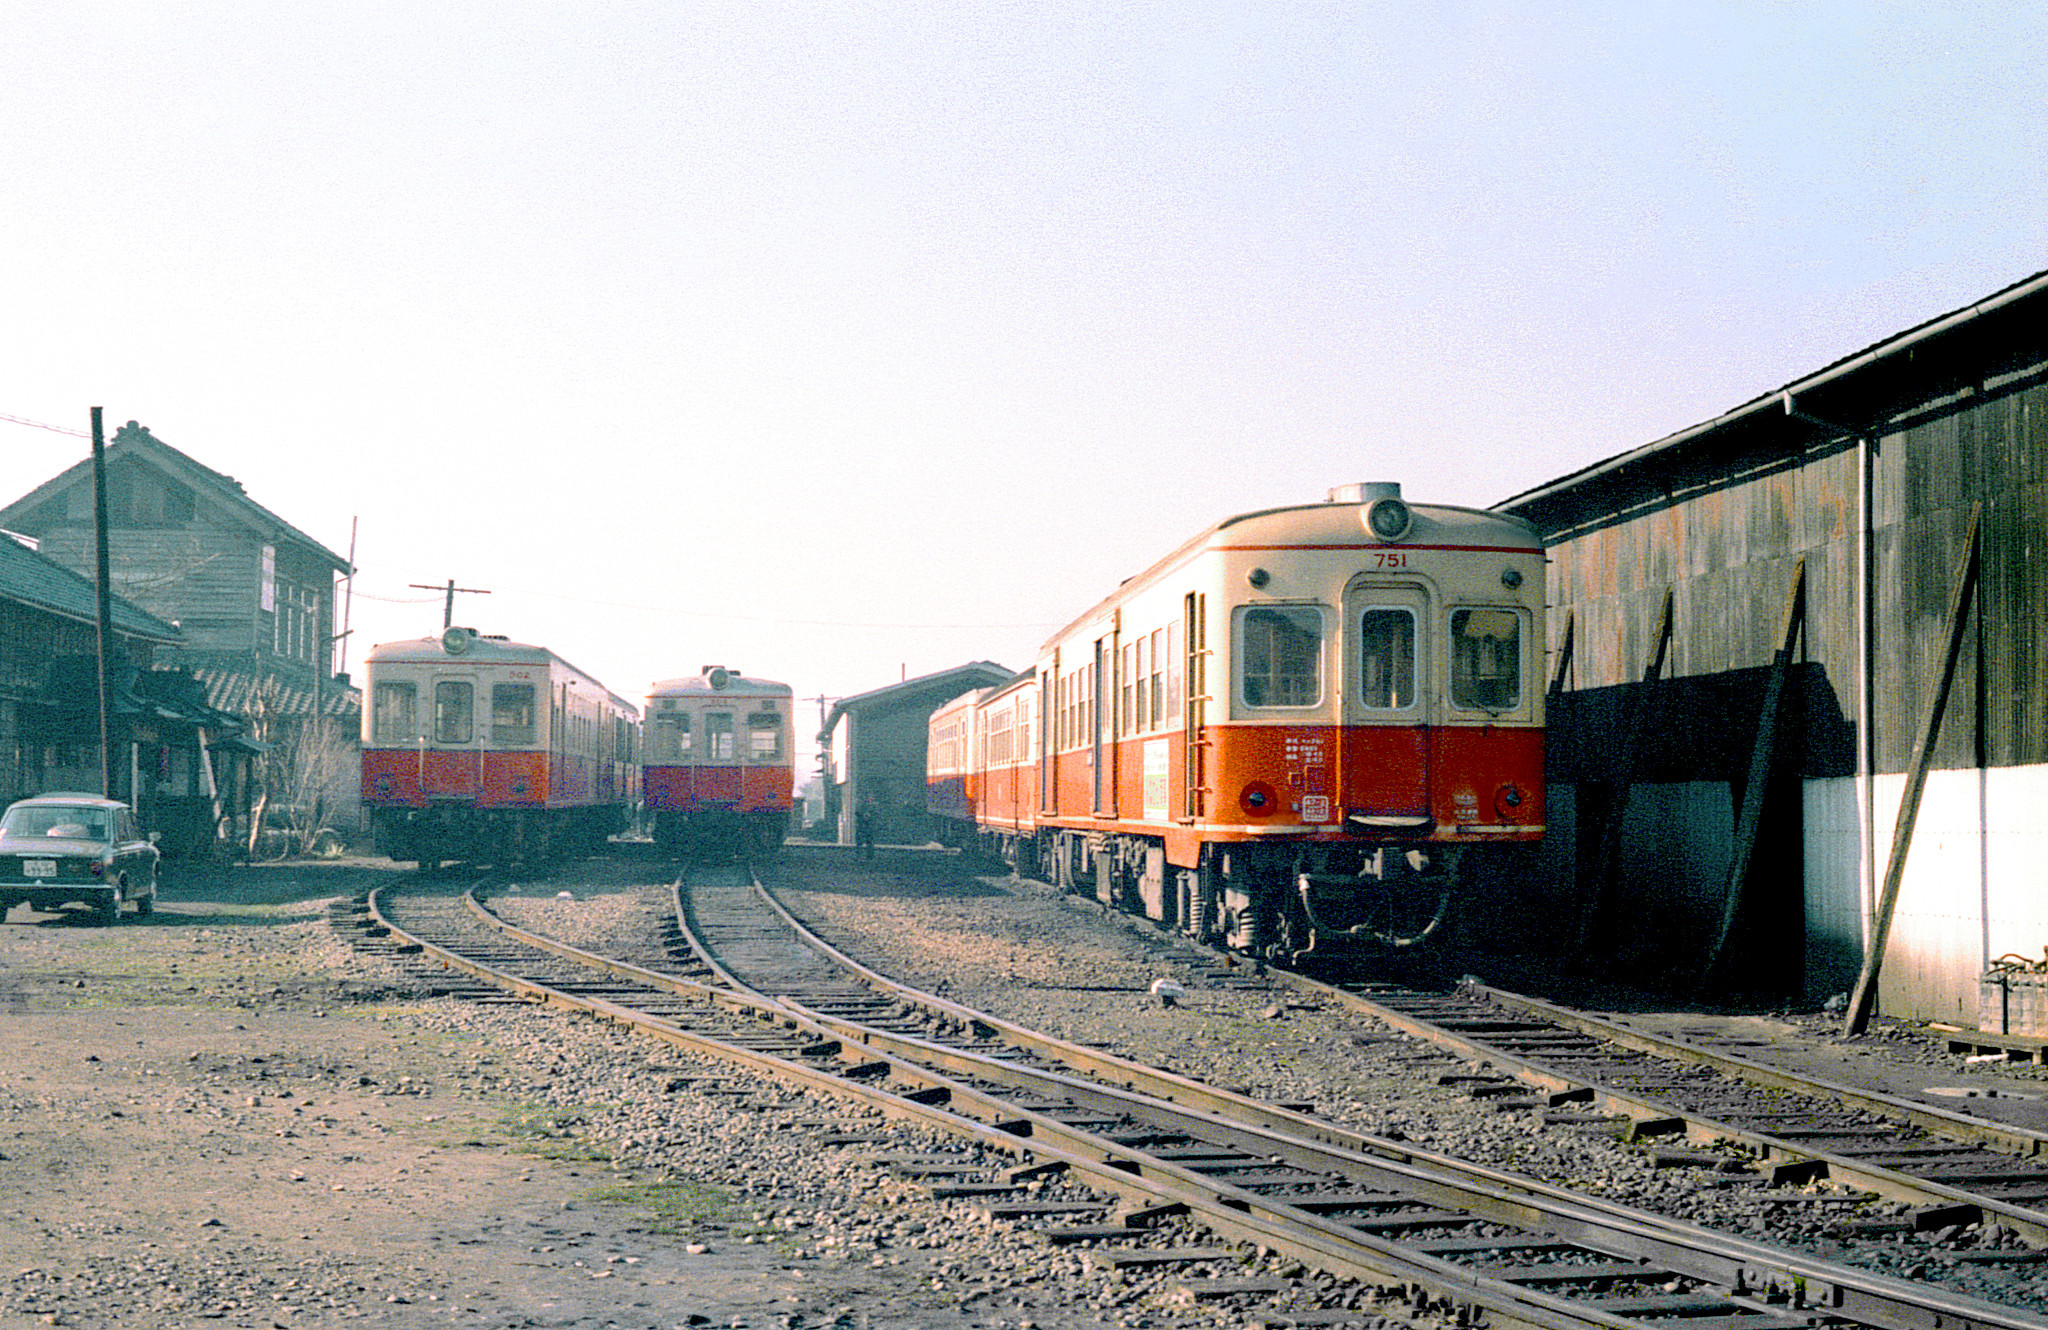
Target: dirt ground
207, 1118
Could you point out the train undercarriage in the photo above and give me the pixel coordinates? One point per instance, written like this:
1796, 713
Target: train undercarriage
719, 831
1292, 903
435, 835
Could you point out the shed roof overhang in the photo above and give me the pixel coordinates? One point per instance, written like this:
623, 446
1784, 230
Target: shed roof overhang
927, 689
1995, 344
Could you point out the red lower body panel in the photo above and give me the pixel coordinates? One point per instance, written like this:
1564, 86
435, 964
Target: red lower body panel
723, 789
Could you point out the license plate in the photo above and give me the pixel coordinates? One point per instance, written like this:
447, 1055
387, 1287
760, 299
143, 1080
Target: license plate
39, 867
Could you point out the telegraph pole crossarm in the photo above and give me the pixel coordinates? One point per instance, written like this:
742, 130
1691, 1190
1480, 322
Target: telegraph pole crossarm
448, 606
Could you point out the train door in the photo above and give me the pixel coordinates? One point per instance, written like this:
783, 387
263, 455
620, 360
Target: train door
1195, 701
1387, 752
1104, 729
718, 770
452, 763
1051, 695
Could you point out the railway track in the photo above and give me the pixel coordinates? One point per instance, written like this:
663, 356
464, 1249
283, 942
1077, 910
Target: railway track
1148, 1147
1952, 1168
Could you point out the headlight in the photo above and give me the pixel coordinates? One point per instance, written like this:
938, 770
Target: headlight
1388, 519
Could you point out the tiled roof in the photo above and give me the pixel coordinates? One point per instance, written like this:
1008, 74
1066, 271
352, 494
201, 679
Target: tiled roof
239, 691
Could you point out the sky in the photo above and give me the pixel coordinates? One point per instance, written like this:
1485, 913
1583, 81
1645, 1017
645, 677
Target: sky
842, 342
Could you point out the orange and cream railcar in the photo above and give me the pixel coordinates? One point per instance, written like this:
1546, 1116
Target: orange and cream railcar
982, 751
482, 749
1300, 730
719, 761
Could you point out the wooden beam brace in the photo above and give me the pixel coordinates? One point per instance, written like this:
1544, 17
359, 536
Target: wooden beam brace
1857, 1018
1761, 756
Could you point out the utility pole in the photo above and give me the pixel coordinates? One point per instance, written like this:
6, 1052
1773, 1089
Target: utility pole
448, 608
106, 610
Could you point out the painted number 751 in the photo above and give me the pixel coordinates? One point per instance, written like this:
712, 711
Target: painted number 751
1390, 559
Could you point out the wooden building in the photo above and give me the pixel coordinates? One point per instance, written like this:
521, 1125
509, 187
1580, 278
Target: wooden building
1724, 809
252, 596
172, 753
874, 746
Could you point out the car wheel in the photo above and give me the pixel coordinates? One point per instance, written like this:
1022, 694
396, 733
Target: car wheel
110, 907
146, 902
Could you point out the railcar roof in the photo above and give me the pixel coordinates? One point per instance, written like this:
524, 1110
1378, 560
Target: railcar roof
738, 685
1334, 526
483, 651
493, 649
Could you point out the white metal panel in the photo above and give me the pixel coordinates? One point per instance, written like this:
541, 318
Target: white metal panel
1975, 886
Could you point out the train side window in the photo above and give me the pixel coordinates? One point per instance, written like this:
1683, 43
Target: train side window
1280, 655
718, 736
764, 736
395, 714
1486, 659
512, 713
680, 735
1142, 676
1386, 658
454, 711
1127, 713
1160, 648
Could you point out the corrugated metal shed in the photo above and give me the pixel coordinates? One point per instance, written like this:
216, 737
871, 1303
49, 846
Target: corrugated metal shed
1868, 473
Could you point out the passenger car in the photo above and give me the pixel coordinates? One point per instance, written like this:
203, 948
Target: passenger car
1316, 728
479, 748
75, 849
717, 760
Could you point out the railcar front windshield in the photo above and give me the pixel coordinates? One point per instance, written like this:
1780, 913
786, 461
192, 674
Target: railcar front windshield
512, 713
1486, 659
395, 714
1280, 655
718, 736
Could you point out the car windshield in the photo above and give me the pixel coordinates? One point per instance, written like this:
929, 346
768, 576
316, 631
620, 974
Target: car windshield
57, 823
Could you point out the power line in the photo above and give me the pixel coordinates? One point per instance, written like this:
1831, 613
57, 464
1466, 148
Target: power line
54, 429
760, 618
707, 614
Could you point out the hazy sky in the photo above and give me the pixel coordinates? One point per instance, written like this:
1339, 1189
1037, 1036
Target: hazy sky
830, 341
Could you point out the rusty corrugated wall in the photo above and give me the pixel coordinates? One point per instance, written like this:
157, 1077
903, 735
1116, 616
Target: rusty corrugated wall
1718, 519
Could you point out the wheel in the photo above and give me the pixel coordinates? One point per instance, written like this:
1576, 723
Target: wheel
146, 902
110, 907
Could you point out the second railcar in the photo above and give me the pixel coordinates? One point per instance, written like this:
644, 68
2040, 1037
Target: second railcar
482, 749
718, 761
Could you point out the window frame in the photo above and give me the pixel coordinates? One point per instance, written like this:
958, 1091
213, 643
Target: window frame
508, 735
383, 732
1456, 654
1414, 662
442, 730
1241, 618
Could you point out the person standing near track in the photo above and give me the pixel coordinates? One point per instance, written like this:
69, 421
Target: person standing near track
864, 827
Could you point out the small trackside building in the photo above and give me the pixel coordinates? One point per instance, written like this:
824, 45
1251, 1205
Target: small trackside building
874, 746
